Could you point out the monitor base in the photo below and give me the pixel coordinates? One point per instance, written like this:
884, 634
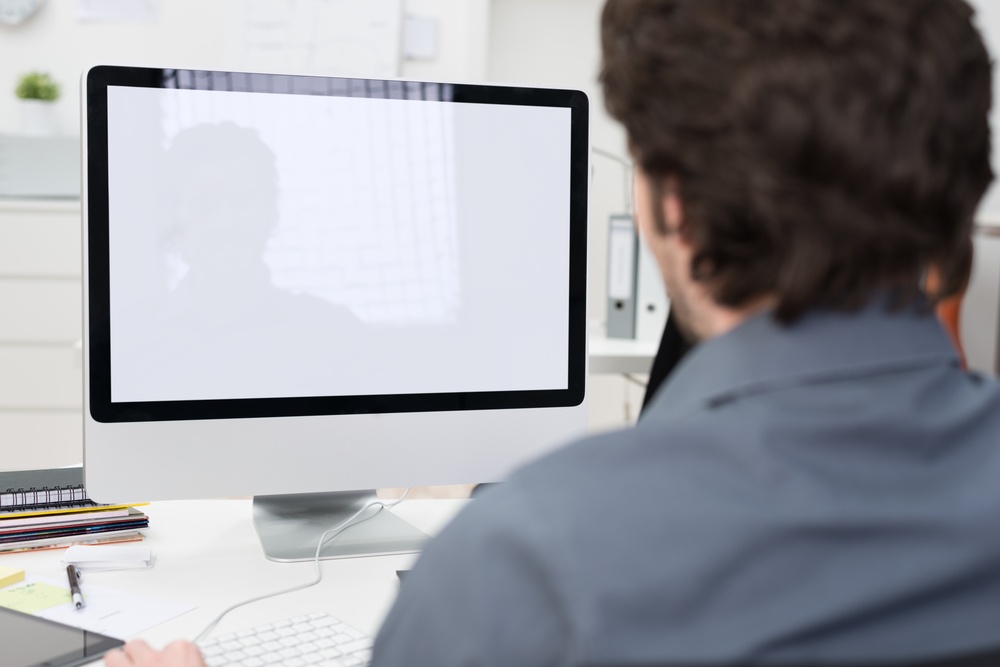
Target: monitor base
289, 527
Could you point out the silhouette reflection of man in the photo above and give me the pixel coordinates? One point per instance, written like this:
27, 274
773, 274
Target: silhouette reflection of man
225, 329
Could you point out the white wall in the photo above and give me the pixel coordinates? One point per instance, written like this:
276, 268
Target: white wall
187, 34
192, 33
988, 21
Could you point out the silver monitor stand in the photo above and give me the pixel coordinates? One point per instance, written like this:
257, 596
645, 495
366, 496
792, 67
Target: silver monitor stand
290, 526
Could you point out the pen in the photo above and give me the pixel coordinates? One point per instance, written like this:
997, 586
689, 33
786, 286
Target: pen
73, 572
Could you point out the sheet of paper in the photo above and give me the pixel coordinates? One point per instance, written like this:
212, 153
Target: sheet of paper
108, 611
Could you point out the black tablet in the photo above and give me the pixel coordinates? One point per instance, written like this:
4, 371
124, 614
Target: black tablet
29, 641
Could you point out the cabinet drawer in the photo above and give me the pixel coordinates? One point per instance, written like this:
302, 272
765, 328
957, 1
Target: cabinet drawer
40, 311
40, 439
34, 377
40, 243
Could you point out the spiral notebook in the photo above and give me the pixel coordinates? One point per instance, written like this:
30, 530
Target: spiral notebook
53, 488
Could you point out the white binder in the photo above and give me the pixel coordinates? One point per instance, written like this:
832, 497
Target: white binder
652, 305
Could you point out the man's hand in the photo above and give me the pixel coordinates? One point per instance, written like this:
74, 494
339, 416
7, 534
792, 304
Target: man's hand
138, 653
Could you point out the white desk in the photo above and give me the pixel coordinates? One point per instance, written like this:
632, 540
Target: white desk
207, 553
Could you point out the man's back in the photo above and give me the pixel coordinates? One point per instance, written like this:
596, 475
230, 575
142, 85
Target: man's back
831, 490
818, 479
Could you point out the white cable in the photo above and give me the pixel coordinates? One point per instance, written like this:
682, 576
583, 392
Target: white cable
336, 530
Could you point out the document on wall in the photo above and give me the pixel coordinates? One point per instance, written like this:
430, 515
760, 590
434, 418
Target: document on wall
108, 611
118, 11
328, 37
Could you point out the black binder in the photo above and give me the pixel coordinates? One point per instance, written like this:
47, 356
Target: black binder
42, 489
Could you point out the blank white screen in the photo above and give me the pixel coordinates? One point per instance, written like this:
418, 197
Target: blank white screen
395, 246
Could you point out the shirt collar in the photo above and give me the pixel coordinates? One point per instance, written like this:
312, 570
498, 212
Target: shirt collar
760, 354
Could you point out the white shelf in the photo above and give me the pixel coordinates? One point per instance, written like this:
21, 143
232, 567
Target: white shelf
619, 355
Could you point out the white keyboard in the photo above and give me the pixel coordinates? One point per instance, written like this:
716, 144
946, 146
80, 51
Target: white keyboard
315, 639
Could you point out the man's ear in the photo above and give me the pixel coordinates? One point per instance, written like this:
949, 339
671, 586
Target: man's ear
672, 208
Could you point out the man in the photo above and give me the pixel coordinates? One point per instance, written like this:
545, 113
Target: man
817, 479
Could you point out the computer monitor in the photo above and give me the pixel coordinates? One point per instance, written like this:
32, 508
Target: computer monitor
297, 285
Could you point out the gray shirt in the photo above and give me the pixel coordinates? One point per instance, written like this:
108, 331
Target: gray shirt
829, 490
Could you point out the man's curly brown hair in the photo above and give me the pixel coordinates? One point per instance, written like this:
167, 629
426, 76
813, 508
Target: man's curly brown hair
825, 149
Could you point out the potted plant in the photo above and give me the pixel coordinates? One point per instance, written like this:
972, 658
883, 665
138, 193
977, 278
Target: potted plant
37, 92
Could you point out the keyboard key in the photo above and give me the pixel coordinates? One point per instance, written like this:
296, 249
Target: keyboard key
325, 621
356, 645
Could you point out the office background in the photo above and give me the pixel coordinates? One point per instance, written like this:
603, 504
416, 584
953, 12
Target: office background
540, 42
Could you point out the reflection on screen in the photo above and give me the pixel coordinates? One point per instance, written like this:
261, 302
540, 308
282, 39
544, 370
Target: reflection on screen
270, 245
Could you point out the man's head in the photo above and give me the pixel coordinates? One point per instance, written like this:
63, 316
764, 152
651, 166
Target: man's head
811, 152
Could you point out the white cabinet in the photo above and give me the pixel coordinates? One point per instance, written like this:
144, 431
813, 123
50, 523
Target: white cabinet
41, 375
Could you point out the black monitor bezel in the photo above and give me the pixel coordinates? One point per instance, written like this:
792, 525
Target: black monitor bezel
96, 203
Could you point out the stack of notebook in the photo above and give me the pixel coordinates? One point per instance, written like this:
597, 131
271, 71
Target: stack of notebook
49, 509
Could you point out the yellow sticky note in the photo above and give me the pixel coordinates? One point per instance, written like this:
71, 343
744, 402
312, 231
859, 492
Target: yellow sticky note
33, 597
10, 575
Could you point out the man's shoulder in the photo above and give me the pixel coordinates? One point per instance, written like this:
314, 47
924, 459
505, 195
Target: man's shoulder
720, 457
598, 476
